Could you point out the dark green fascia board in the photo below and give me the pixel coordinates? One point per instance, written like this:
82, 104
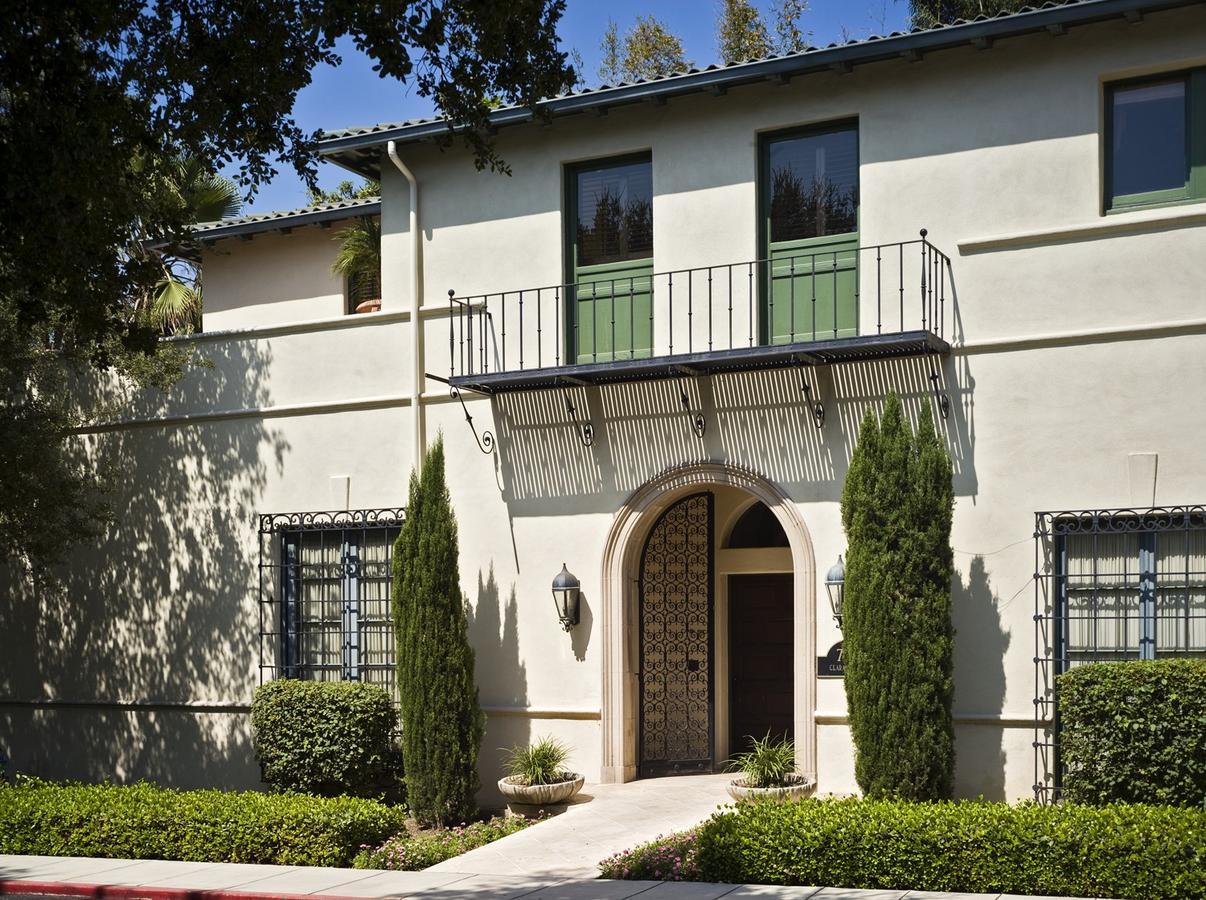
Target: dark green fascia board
360, 152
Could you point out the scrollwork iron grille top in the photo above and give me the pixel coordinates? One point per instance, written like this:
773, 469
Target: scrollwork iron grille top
324, 595
1111, 584
354, 518
675, 623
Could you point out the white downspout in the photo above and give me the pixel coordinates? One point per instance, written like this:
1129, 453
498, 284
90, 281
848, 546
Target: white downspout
417, 378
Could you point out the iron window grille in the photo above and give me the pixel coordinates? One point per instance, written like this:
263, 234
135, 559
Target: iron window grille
324, 595
1111, 585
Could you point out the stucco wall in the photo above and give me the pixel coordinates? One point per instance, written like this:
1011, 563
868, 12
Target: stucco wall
1079, 338
272, 278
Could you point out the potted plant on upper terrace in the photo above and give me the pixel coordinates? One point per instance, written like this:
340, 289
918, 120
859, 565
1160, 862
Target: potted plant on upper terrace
768, 769
537, 777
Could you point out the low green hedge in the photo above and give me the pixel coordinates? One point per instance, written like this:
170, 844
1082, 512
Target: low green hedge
327, 738
142, 821
1134, 732
412, 852
1122, 851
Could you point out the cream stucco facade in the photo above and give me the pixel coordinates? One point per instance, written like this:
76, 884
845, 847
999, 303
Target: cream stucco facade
1078, 341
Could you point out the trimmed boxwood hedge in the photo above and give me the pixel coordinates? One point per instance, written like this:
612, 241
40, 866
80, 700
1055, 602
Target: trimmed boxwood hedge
1134, 732
143, 821
1122, 851
327, 738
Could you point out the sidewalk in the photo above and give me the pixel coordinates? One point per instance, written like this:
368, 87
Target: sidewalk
126, 879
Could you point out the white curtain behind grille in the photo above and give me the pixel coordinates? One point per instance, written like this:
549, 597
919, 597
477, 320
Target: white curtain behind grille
1102, 588
1181, 593
320, 605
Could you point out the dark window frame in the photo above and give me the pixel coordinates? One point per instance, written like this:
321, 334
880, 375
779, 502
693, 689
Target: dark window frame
570, 173
1052, 654
350, 291
281, 631
1194, 189
766, 138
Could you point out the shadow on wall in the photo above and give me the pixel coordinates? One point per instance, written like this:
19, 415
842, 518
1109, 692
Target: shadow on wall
159, 612
759, 420
501, 676
980, 646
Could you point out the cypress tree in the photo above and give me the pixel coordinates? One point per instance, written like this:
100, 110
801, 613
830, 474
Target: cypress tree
441, 719
897, 637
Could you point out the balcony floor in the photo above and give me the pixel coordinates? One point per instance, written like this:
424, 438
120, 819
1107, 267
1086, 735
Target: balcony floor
742, 359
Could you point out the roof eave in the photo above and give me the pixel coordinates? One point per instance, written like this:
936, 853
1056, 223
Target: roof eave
823, 59
280, 223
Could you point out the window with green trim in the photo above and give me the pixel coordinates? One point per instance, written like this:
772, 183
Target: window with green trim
1156, 140
610, 259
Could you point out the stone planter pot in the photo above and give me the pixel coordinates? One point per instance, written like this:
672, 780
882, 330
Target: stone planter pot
800, 786
532, 800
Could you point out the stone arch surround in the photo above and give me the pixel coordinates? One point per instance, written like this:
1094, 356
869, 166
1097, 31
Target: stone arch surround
621, 561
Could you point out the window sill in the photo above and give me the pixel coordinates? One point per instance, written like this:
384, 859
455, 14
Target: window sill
1138, 221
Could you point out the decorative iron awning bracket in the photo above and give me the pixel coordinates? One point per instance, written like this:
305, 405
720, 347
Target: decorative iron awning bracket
698, 423
585, 430
815, 407
940, 396
485, 442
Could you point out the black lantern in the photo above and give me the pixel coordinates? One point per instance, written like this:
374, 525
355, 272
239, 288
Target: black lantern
835, 584
565, 597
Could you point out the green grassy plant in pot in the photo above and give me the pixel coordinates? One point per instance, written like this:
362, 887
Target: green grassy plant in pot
537, 780
768, 769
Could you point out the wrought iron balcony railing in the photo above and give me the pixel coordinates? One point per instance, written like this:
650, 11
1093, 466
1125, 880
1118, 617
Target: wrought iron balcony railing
812, 306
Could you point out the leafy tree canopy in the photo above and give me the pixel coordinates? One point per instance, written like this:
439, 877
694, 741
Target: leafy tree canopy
928, 13
647, 50
101, 99
345, 190
742, 33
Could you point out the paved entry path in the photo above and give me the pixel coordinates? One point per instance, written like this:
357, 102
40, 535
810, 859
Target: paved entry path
609, 818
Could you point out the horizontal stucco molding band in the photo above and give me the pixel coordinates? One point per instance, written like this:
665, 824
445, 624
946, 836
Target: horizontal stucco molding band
996, 720
528, 712
384, 401
1145, 331
302, 326
531, 712
1107, 226
231, 706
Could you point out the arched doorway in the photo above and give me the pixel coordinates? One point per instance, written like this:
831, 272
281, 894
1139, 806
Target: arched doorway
622, 583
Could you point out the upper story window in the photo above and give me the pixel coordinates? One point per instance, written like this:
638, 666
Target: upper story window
808, 194
362, 292
613, 211
609, 253
812, 183
1156, 140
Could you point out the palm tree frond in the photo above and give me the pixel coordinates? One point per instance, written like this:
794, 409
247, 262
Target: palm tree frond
175, 305
359, 248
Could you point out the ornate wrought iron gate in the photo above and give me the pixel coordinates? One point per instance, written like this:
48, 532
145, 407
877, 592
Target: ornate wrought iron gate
676, 641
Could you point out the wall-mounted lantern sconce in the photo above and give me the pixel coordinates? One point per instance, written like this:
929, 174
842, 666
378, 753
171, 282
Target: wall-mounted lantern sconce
835, 584
566, 589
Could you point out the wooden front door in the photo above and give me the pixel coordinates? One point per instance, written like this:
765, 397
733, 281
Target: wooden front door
761, 635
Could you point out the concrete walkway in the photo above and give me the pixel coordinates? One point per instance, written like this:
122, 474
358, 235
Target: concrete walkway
606, 819
127, 879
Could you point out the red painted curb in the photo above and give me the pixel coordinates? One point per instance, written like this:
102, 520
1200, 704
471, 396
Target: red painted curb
134, 892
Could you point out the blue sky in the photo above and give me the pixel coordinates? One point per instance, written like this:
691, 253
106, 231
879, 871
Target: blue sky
352, 94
